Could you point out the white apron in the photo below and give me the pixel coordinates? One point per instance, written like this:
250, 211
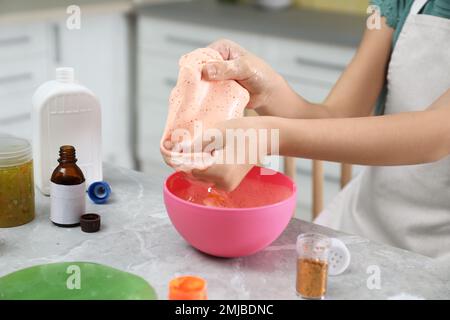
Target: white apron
405, 206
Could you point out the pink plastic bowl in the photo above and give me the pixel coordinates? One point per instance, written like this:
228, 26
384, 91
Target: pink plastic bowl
230, 232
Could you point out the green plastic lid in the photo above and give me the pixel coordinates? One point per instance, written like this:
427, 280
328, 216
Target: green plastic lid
74, 281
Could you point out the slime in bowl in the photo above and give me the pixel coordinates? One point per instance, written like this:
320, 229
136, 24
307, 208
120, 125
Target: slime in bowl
232, 224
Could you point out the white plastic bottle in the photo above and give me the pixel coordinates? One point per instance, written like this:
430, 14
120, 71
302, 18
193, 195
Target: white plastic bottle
65, 113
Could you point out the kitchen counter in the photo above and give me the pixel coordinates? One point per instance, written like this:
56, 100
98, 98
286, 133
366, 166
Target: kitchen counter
327, 27
137, 237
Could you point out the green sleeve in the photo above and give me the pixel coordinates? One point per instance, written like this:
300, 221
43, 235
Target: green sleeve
392, 9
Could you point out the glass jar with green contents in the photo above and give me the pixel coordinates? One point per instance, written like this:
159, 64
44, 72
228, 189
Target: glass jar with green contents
16, 182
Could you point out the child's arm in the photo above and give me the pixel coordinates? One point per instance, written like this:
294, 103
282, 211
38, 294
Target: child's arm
399, 139
354, 95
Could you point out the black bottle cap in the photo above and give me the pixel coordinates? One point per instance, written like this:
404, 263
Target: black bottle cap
90, 222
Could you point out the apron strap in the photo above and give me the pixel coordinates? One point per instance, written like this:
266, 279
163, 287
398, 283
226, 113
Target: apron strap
417, 6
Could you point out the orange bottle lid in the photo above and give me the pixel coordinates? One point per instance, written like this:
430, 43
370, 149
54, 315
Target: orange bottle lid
187, 288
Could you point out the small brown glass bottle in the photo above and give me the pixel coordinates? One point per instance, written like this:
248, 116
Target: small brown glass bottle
67, 190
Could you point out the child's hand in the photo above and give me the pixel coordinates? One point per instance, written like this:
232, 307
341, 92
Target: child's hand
224, 176
260, 80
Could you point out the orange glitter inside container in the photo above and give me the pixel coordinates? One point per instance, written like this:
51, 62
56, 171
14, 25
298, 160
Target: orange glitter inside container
312, 265
187, 288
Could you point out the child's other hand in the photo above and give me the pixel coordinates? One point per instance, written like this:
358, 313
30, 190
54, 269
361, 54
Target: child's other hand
260, 80
226, 177
228, 172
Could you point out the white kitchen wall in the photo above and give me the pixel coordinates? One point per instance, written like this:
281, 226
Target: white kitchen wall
99, 52
26, 58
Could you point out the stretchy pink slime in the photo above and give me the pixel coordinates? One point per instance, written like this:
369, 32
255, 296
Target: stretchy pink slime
195, 101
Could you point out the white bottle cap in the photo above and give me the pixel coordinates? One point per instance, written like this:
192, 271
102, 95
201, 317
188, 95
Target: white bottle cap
338, 257
65, 74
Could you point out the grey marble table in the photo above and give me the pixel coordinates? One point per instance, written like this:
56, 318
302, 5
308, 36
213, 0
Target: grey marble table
137, 237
